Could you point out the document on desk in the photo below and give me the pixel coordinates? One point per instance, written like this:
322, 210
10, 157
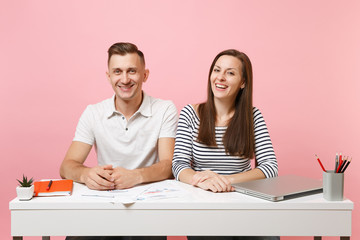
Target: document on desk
161, 190
125, 196
147, 192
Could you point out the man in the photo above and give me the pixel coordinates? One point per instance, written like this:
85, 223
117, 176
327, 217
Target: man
133, 133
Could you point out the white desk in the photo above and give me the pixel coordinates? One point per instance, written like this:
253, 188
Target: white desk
197, 213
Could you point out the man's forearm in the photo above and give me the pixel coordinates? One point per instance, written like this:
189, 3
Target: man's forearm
157, 172
71, 169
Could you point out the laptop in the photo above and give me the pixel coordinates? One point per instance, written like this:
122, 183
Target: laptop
280, 188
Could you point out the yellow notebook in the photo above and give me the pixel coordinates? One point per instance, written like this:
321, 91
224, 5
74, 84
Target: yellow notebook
57, 188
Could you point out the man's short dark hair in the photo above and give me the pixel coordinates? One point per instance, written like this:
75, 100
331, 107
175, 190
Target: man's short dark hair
123, 48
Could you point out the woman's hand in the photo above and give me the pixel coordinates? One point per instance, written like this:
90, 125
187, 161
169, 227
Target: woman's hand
209, 180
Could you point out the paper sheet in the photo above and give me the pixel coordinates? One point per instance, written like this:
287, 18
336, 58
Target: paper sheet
161, 190
148, 192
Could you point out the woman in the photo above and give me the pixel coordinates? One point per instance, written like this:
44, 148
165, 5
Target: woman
216, 140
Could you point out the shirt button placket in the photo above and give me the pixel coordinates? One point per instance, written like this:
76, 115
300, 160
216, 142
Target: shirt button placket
124, 122
126, 128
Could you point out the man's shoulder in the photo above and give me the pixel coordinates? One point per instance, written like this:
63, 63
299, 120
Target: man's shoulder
105, 106
104, 102
157, 103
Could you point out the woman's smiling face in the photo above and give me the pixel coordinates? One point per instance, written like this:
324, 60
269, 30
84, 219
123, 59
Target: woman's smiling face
226, 77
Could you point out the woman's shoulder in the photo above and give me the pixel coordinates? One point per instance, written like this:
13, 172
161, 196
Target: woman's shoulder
190, 110
255, 109
257, 115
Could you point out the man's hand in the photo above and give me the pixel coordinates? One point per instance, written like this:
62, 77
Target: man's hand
209, 180
99, 177
124, 178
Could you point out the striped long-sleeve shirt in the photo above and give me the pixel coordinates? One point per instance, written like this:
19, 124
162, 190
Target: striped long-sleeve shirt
189, 153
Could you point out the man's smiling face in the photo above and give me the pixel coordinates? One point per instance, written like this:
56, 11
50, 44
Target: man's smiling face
126, 75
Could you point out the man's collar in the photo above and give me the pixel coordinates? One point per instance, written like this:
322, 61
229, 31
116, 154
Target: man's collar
111, 110
144, 109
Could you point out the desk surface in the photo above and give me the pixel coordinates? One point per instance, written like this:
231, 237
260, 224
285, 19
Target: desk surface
195, 198
197, 212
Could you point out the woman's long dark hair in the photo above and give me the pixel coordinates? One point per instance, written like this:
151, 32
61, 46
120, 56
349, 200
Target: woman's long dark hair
239, 136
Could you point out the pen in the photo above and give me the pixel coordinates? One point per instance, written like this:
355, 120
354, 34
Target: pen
49, 186
340, 162
340, 156
320, 163
343, 164
347, 164
336, 161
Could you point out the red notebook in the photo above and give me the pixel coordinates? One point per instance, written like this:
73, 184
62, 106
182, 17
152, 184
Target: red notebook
57, 188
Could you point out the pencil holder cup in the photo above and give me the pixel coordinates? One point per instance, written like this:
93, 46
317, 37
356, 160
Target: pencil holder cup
333, 186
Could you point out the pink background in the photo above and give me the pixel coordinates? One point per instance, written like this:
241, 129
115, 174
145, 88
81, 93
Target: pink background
305, 55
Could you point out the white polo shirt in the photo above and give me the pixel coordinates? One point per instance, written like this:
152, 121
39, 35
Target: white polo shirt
129, 144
